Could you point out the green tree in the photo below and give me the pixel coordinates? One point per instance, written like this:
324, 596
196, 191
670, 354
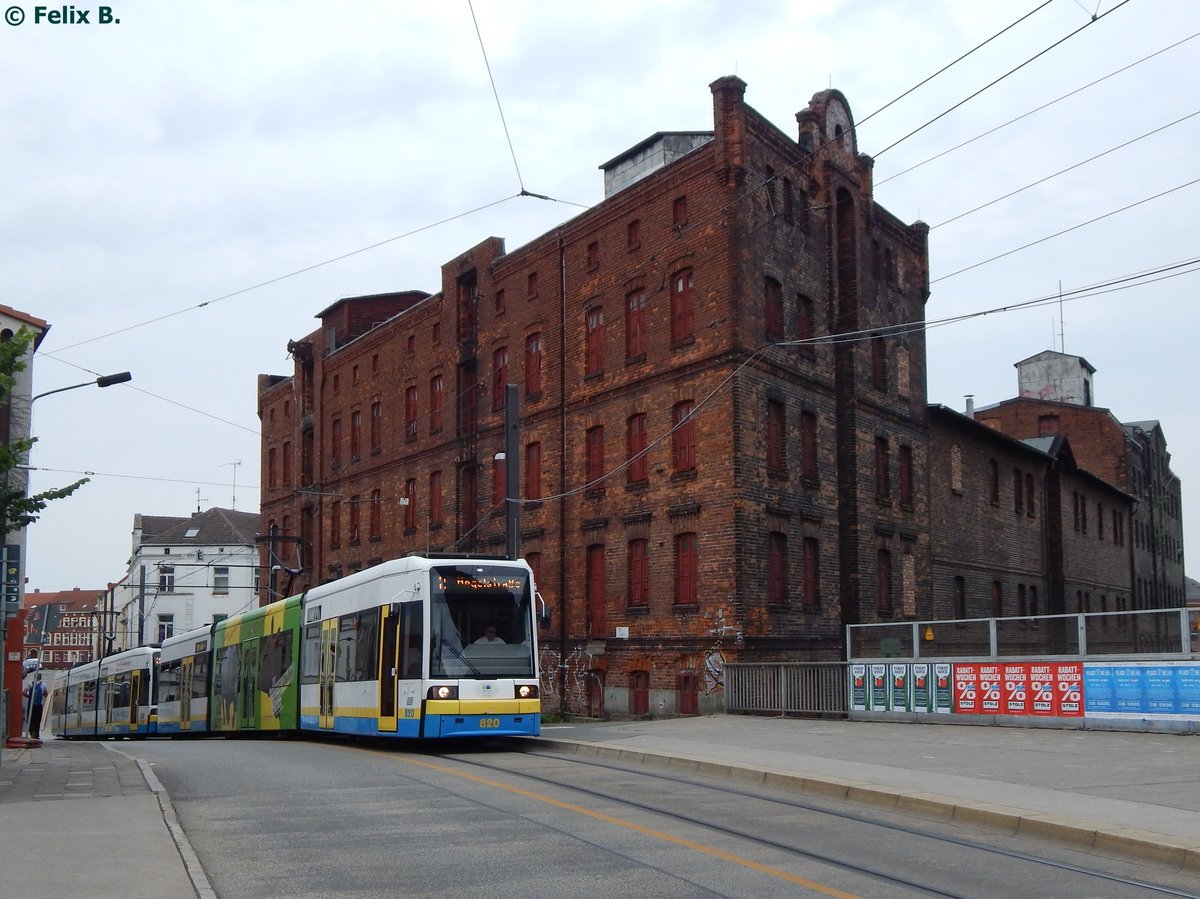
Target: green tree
17, 508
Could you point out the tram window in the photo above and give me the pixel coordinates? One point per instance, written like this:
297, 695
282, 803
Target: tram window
411, 642
120, 692
199, 677
168, 682
275, 661
366, 656
347, 637
310, 663
226, 680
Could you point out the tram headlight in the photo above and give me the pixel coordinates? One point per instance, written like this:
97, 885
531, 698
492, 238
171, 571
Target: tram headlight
444, 691
527, 691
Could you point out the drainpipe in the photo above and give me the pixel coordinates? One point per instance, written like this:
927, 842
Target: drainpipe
562, 475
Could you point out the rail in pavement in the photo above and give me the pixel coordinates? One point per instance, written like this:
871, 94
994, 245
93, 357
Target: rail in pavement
1135, 795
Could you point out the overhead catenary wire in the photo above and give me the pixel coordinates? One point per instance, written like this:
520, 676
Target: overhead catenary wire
1036, 109
1070, 168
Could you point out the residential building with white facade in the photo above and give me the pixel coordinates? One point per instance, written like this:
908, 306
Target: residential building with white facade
183, 573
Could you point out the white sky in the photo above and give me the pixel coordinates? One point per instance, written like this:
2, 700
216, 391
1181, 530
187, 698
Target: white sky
199, 148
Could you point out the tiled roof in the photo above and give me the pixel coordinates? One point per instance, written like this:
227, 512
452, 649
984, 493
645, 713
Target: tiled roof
212, 527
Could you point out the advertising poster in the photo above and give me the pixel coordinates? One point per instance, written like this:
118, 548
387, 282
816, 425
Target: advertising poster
879, 688
943, 696
966, 688
920, 687
1143, 690
1042, 687
1129, 689
1161, 685
1189, 690
858, 688
898, 701
1098, 687
1069, 678
990, 688
1016, 688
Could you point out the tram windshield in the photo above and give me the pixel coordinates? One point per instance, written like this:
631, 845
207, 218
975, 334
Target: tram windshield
480, 622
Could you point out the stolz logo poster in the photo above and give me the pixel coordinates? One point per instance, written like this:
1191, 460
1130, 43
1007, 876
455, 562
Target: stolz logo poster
1043, 686
989, 689
1016, 689
966, 688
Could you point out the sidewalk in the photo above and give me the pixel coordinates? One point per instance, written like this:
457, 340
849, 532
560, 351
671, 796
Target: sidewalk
1131, 794
84, 819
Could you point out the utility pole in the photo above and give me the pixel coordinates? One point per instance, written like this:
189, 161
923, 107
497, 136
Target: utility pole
142, 608
512, 474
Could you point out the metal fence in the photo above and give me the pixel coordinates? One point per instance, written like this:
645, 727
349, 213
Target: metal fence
789, 688
1155, 633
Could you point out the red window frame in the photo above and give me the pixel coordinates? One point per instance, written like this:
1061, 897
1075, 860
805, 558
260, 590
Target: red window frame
812, 572
435, 497
499, 376
684, 437
773, 309
883, 576
533, 471
335, 523
635, 448
376, 425
355, 434
595, 458
410, 508
687, 566
436, 398
906, 475
682, 305
594, 323
533, 364
639, 573
776, 430
335, 442
635, 324
777, 567
595, 589
376, 518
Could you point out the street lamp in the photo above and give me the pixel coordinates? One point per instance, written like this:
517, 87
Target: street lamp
102, 381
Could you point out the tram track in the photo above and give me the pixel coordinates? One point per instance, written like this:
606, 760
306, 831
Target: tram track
775, 801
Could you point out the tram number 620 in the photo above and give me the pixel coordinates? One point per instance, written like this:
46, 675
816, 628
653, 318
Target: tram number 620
489, 722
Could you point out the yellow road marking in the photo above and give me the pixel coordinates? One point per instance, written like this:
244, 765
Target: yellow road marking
648, 831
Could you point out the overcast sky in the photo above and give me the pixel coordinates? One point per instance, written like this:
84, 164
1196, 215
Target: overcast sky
161, 167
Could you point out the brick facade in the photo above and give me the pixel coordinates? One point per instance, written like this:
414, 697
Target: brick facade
1018, 528
1132, 456
690, 313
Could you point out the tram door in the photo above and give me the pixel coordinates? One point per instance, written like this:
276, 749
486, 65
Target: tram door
328, 671
135, 692
187, 671
248, 684
389, 623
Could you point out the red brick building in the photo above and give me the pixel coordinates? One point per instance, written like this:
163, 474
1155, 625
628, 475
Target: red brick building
61, 627
722, 414
1057, 397
1018, 528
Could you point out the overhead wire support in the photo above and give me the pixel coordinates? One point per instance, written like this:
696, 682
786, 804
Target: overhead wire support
499, 107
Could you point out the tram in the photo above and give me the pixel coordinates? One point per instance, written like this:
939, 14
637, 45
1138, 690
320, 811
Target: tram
427, 646
112, 697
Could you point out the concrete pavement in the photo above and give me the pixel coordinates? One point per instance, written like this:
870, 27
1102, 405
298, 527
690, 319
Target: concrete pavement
1135, 795
85, 819
80, 818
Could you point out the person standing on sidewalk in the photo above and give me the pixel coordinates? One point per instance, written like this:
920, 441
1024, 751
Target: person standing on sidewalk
36, 692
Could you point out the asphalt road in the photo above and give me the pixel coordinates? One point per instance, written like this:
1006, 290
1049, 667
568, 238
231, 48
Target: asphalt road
271, 818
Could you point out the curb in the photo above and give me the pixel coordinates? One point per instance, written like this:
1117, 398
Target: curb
1130, 844
191, 862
